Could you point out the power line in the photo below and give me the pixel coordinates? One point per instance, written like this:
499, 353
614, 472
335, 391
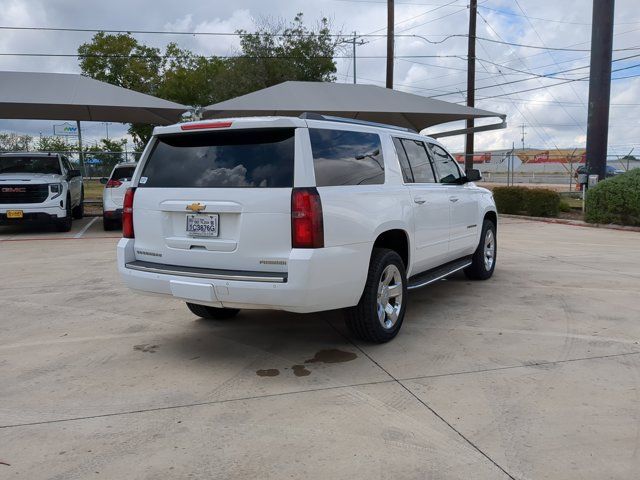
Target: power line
550, 56
556, 84
77, 55
414, 17
190, 33
334, 35
513, 14
525, 106
490, 74
397, 3
555, 49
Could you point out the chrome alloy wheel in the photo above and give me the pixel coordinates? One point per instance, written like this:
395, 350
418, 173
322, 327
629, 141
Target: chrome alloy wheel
389, 296
489, 250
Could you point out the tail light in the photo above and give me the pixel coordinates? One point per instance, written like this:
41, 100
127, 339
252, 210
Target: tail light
307, 230
113, 183
127, 214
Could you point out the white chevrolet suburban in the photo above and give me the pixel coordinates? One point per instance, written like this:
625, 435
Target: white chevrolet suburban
40, 187
302, 214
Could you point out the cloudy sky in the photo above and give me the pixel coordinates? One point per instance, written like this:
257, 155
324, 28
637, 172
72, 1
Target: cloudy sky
553, 117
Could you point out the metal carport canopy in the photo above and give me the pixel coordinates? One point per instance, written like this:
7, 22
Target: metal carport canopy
60, 96
362, 102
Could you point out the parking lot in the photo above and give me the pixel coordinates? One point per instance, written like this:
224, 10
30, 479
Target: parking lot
532, 374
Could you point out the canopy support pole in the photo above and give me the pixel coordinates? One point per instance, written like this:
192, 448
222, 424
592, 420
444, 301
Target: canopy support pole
80, 153
465, 131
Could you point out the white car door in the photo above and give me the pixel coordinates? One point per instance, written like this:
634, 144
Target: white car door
463, 203
430, 205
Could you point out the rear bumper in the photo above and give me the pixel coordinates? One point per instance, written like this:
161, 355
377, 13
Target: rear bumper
316, 280
113, 214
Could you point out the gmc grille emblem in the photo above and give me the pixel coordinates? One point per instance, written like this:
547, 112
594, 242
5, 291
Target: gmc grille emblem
14, 190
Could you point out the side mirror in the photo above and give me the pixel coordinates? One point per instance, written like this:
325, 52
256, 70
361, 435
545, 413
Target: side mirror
73, 173
473, 175
104, 180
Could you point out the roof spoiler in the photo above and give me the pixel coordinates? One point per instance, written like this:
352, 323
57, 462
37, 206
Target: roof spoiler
464, 131
330, 118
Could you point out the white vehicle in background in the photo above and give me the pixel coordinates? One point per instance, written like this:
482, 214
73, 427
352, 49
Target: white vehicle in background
113, 194
40, 187
302, 214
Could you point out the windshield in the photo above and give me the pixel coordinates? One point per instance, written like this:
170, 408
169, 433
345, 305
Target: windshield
26, 164
259, 158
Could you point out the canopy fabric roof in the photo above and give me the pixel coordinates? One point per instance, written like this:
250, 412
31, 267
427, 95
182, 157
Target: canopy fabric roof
362, 102
59, 96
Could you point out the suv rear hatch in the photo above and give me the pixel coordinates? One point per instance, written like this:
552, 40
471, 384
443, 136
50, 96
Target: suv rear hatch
217, 199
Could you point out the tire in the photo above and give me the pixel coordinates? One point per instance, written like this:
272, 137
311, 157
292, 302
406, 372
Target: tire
78, 211
64, 224
484, 259
367, 320
212, 313
109, 224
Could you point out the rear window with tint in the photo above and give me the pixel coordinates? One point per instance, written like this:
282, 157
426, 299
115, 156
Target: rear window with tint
259, 158
346, 158
123, 173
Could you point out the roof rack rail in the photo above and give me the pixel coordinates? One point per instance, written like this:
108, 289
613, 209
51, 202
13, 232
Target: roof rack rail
330, 118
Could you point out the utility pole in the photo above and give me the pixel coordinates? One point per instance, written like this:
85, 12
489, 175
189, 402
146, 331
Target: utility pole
599, 87
390, 38
354, 58
471, 82
524, 133
80, 152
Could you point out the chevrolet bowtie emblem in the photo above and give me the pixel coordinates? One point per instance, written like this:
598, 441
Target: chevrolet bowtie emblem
196, 207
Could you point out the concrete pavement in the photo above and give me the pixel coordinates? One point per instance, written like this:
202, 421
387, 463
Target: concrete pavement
532, 374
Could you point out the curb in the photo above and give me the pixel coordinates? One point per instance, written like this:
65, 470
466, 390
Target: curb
574, 223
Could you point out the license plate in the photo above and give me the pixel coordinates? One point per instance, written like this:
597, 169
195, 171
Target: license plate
202, 224
14, 214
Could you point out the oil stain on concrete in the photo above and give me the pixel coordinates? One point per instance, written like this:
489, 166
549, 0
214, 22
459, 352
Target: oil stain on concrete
300, 371
331, 355
145, 347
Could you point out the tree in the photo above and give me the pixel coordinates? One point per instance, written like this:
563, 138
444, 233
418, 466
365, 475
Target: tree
190, 79
275, 53
104, 155
123, 61
278, 52
12, 142
54, 144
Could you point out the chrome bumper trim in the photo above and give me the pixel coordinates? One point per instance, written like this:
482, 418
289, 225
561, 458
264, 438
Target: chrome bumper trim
211, 274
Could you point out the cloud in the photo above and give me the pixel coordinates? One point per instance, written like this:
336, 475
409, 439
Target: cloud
554, 116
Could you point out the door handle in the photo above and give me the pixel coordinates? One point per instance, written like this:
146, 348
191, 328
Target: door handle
453, 199
419, 200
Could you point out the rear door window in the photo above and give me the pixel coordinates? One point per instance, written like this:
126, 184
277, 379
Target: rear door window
418, 160
123, 174
405, 166
256, 158
342, 157
446, 166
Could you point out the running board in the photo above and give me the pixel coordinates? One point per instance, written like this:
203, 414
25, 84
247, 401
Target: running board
438, 273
